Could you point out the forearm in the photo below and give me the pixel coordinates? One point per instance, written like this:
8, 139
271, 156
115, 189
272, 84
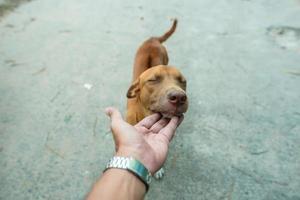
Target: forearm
118, 184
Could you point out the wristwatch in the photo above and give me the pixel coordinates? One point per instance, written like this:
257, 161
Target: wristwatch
132, 165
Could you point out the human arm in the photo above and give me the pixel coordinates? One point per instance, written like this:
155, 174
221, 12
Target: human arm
147, 142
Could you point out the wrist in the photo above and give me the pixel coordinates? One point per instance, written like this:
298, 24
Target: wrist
123, 181
131, 165
127, 185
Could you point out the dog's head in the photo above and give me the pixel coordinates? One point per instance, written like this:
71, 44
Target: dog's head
161, 89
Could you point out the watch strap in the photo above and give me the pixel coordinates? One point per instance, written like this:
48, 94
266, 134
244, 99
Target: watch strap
132, 165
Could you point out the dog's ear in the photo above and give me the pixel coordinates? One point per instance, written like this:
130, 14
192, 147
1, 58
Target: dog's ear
134, 89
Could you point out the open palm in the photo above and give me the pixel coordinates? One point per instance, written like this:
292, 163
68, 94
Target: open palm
146, 141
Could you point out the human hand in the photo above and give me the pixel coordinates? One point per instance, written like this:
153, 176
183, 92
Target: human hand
147, 141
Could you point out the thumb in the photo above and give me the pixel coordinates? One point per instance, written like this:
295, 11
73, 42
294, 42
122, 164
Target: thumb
115, 123
113, 113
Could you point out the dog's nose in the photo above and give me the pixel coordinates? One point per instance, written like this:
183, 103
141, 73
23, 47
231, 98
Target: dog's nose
177, 97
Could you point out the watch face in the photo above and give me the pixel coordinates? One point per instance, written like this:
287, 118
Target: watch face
139, 169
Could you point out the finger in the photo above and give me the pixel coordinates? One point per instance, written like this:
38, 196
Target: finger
170, 128
116, 119
159, 125
113, 113
149, 121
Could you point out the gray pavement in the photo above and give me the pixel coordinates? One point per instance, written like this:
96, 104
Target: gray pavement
63, 62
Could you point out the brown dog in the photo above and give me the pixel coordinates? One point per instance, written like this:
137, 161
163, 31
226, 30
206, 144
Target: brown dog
156, 87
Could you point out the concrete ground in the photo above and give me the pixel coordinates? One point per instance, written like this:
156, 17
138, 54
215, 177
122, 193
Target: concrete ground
63, 62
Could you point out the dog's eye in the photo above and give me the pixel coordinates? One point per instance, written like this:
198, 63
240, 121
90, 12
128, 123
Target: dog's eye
154, 79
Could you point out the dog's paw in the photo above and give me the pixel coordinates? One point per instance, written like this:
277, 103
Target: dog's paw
159, 174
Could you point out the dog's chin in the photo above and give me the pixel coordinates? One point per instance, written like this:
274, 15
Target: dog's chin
168, 110
168, 113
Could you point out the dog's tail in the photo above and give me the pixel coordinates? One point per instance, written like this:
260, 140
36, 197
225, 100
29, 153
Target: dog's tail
164, 37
